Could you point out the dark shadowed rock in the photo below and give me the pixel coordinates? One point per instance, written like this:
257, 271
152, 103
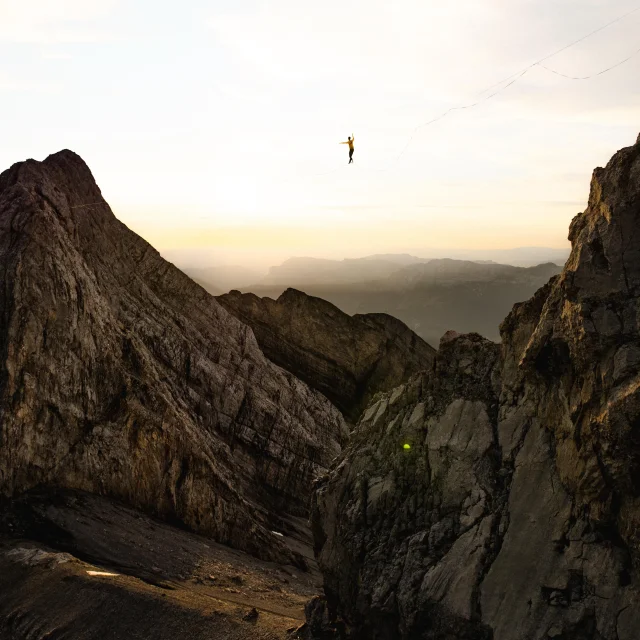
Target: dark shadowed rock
348, 358
78, 566
122, 377
251, 615
409, 515
515, 513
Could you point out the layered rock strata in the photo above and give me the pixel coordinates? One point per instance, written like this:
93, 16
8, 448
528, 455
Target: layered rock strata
122, 377
348, 358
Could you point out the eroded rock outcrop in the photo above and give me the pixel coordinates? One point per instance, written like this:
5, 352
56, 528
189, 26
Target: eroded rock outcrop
348, 358
515, 513
122, 377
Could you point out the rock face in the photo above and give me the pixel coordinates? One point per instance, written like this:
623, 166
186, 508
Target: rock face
122, 377
69, 560
515, 513
348, 358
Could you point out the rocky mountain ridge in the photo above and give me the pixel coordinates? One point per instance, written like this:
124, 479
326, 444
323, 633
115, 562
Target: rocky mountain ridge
301, 272
347, 358
514, 512
121, 377
438, 295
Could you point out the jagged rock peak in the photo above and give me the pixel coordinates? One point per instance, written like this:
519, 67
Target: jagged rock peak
120, 376
347, 358
66, 169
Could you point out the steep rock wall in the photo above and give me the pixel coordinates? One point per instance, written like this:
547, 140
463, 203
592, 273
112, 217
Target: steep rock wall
515, 514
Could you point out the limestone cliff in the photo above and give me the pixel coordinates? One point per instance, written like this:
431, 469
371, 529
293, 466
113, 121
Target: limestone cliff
515, 514
348, 358
122, 377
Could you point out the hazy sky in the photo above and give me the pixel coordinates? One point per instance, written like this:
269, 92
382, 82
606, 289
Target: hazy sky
214, 126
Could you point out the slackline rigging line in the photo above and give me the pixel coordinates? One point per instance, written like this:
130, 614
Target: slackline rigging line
82, 206
618, 64
511, 80
572, 44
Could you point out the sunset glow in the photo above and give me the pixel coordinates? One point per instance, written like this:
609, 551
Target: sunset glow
217, 125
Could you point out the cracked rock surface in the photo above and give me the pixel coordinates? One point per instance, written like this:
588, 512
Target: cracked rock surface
514, 512
121, 377
348, 358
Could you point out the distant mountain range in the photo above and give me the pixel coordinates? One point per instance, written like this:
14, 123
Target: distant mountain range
301, 271
434, 296
517, 257
217, 280
305, 271
431, 296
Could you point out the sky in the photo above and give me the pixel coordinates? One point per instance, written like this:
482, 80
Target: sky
213, 127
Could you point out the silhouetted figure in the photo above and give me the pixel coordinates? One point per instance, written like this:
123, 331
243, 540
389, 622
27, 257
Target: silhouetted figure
350, 143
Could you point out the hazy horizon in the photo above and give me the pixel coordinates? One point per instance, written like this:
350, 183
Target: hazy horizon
516, 256
213, 129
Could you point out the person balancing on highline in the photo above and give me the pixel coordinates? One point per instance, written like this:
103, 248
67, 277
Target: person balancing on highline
350, 143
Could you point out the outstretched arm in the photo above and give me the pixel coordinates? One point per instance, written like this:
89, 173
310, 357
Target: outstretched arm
343, 143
